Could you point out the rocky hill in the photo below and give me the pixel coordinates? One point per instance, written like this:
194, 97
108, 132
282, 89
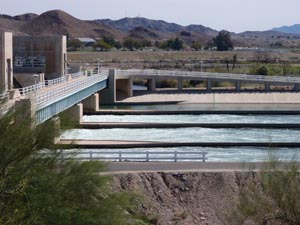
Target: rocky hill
294, 29
56, 22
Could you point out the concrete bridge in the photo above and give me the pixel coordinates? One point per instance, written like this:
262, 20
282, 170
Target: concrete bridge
50, 97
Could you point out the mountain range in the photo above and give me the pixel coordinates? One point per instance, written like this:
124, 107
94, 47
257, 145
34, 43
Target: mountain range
58, 22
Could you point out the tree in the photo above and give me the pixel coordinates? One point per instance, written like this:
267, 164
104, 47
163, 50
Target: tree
271, 197
174, 44
37, 188
102, 46
223, 41
74, 44
262, 70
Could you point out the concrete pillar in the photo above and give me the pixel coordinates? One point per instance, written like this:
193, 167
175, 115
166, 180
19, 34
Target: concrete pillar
25, 111
91, 104
151, 84
267, 87
124, 86
238, 86
56, 123
296, 87
6, 62
75, 113
108, 95
180, 84
208, 85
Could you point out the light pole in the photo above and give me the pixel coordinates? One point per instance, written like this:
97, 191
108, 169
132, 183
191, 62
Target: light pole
98, 65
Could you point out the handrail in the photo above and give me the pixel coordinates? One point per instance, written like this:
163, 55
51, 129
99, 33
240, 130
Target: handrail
33, 88
30, 89
145, 156
46, 98
3, 95
205, 75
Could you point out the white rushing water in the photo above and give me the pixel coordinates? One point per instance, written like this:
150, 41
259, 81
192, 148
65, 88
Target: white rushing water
233, 154
186, 135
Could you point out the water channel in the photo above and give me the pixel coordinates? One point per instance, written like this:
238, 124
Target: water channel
235, 154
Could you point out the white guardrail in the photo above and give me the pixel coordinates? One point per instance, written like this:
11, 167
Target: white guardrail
3, 96
48, 83
204, 75
145, 156
69, 88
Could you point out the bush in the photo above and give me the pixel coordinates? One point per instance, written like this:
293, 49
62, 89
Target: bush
262, 70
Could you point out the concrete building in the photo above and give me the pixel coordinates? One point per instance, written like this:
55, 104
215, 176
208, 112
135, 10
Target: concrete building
40, 54
6, 59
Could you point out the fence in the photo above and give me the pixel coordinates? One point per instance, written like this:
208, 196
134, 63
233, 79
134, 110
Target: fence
47, 83
205, 75
145, 156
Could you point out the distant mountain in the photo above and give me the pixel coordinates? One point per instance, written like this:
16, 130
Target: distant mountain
294, 29
60, 22
57, 22
157, 30
128, 24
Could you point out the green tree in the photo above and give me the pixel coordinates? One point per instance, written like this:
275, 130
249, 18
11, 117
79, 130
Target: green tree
101, 45
262, 70
37, 188
223, 41
74, 44
270, 197
173, 44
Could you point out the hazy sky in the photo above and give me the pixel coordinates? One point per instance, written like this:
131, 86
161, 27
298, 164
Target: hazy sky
232, 15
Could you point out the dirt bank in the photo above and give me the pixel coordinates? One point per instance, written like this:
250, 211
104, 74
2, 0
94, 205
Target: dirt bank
188, 198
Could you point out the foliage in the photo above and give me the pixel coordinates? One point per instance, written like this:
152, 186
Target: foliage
223, 41
112, 42
102, 46
262, 70
37, 188
74, 45
133, 44
272, 197
172, 44
197, 45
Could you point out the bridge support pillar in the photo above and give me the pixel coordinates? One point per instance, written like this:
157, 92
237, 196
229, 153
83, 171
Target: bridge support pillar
25, 111
124, 87
108, 95
238, 86
75, 113
151, 84
267, 87
296, 87
91, 104
208, 85
180, 84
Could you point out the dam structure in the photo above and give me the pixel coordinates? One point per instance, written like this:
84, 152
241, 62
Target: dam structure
35, 78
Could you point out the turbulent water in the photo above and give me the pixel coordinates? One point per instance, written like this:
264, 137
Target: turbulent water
201, 135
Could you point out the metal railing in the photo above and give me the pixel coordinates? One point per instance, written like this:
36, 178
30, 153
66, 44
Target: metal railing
43, 99
30, 89
3, 96
55, 81
145, 156
205, 75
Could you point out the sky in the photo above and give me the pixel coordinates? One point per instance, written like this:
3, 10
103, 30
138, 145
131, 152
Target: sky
232, 15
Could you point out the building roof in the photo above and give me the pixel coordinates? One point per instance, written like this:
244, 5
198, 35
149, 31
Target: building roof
86, 40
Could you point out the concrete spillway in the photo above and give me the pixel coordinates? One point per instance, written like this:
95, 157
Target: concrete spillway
95, 125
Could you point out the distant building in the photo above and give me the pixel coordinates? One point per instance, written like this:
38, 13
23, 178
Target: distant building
87, 41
